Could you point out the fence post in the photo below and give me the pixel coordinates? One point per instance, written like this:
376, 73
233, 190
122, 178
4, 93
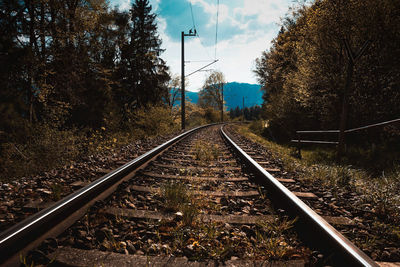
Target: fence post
298, 145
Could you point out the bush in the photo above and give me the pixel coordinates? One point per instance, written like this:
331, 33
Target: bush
46, 147
151, 121
257, 127
211, 115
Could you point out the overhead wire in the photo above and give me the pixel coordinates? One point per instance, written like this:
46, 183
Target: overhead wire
215, 60
197, 32
216, 31
191, 11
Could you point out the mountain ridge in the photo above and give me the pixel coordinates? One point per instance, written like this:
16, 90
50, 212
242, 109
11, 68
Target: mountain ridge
234, 93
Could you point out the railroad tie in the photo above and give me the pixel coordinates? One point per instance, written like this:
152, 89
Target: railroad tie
80, 257
227, 168
195, 178
230, 219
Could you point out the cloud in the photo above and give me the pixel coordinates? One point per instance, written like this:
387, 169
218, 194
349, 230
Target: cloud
266, 11
122, 4
246, 28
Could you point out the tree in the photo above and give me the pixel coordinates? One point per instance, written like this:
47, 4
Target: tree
143, 74
304, 71
173, 91
212, 94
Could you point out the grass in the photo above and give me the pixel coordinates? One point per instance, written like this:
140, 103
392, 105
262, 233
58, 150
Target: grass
271, 238
198, 240
178, 198
175, 195
56, 191
206, 152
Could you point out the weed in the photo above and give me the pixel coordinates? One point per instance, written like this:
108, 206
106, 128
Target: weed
178, 198
210, 231
56, 191
190, 211
25, 262
270, 240
206, 152
174, 194
277, 227
111, 243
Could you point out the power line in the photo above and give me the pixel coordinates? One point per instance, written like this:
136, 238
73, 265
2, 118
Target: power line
197, 33
201, 42
216, 31
191, 11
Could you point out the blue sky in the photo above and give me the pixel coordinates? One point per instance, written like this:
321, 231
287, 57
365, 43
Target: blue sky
245, 29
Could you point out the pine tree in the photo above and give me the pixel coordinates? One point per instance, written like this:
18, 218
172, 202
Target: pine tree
143, 74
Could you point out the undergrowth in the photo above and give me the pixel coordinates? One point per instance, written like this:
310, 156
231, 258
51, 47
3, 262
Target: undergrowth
45, 146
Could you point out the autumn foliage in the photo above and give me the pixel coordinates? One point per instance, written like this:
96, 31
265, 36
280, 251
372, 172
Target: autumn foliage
303, 74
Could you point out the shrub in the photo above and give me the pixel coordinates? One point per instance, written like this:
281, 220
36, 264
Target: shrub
151, 121
46, 147
257, 127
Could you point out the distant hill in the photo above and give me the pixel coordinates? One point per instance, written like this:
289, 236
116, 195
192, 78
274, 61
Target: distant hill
233, 95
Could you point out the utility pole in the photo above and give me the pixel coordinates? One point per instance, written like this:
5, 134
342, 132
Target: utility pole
243, 110
222, 102
183, 75
352, 58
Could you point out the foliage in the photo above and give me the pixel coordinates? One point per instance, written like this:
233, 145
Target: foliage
211, 96
151, 121
196, 115
304, 72
251, 113
42, 151
257, 126
142, 74
68, 70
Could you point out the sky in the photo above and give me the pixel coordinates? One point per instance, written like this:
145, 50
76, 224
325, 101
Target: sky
245, 29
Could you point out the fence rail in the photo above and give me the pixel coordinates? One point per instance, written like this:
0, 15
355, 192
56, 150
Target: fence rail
299, 141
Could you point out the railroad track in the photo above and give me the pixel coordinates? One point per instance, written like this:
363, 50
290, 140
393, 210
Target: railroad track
200, 199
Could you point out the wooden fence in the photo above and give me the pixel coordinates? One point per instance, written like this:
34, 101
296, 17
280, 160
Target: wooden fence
300, 141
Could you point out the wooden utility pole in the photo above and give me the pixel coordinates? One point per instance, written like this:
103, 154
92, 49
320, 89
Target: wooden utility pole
183, 76
352, 58
222, 102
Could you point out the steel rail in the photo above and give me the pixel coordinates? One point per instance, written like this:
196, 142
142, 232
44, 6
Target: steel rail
328, 236
18, 239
